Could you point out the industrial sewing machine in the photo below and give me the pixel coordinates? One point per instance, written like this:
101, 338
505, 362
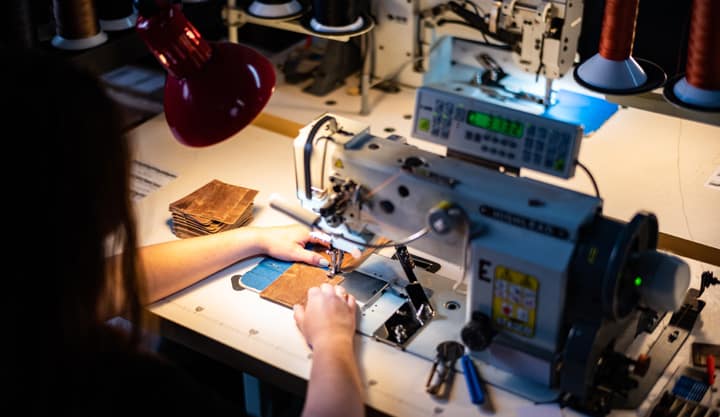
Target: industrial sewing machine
542, 37
552, 292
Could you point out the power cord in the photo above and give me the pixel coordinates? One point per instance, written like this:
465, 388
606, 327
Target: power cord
592, 179
307, 150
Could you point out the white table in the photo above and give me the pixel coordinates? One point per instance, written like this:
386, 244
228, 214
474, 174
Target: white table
240, 329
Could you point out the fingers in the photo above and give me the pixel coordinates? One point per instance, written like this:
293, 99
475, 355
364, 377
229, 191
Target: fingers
299, 315
340, 291
317, 236
327, 289
333, 290
311, 258
313, 291
351, 302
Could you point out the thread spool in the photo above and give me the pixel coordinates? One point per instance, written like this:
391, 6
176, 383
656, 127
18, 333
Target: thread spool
333, 16
76, 25
17, 27
699, 87
116, 15
613, 69
275, 9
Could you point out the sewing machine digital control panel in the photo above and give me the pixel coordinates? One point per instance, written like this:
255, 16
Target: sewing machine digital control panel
497, 133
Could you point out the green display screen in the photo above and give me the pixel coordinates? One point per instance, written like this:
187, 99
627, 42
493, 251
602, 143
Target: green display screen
495, 124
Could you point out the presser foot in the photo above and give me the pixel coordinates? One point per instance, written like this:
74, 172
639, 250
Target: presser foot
336, 259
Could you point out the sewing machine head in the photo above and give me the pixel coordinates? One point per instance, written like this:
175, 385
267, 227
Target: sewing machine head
541, 36
553, 287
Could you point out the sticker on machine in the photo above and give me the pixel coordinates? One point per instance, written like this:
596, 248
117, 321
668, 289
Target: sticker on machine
514, 301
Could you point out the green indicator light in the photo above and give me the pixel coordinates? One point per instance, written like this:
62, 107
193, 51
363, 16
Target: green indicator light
424, 125
638, 281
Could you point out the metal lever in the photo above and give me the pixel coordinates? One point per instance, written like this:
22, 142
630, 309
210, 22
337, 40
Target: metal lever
423, 310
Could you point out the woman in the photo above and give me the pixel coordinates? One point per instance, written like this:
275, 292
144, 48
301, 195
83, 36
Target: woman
79, 237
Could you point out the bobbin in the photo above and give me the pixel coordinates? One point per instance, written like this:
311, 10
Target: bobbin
116, 15
278, 10
335, 20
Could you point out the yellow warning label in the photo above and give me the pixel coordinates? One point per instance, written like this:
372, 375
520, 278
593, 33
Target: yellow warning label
514, 301
339, 164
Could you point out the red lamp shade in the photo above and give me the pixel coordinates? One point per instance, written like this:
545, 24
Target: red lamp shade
213, 89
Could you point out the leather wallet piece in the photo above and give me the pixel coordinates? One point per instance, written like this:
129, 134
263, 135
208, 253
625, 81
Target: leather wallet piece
291, 286
212, 208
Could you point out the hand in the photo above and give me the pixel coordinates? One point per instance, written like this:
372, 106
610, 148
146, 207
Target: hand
328, 316
287, 243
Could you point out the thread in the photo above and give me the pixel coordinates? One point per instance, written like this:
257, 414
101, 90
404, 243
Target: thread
703, 57
75, 19
334, 13
618, 31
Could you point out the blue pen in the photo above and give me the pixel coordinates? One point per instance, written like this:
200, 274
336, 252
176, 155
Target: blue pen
472, 378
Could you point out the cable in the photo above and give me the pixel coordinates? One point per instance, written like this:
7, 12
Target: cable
474, 20
478, 22
480, 13
592, 179
307, 151
496, 42
474, 6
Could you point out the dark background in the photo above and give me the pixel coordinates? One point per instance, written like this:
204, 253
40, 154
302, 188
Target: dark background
660, 36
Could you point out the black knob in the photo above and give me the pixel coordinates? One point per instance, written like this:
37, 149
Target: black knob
478, 333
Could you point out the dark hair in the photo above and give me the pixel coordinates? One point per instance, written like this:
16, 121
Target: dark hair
79, 212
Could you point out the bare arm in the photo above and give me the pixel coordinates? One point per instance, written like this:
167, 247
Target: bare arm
174, 265
328, 324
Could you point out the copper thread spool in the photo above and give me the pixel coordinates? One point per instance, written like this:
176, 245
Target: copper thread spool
613, 70
703, 57
75, 19
77, 26
618, 31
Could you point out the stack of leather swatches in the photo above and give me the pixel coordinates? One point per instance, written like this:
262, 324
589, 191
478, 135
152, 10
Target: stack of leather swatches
212, 208
291, 286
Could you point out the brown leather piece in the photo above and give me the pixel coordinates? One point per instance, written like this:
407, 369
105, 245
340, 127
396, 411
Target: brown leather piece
212, 208
291, 286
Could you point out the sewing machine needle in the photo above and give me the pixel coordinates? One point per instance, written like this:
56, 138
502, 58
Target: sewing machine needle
548, 92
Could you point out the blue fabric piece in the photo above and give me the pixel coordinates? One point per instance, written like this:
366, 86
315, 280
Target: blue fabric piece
580, 109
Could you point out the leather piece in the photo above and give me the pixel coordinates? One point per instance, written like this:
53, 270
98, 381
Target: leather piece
291, 286
212, 208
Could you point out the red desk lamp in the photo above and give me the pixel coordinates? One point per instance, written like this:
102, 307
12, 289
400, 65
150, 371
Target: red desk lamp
213, 89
